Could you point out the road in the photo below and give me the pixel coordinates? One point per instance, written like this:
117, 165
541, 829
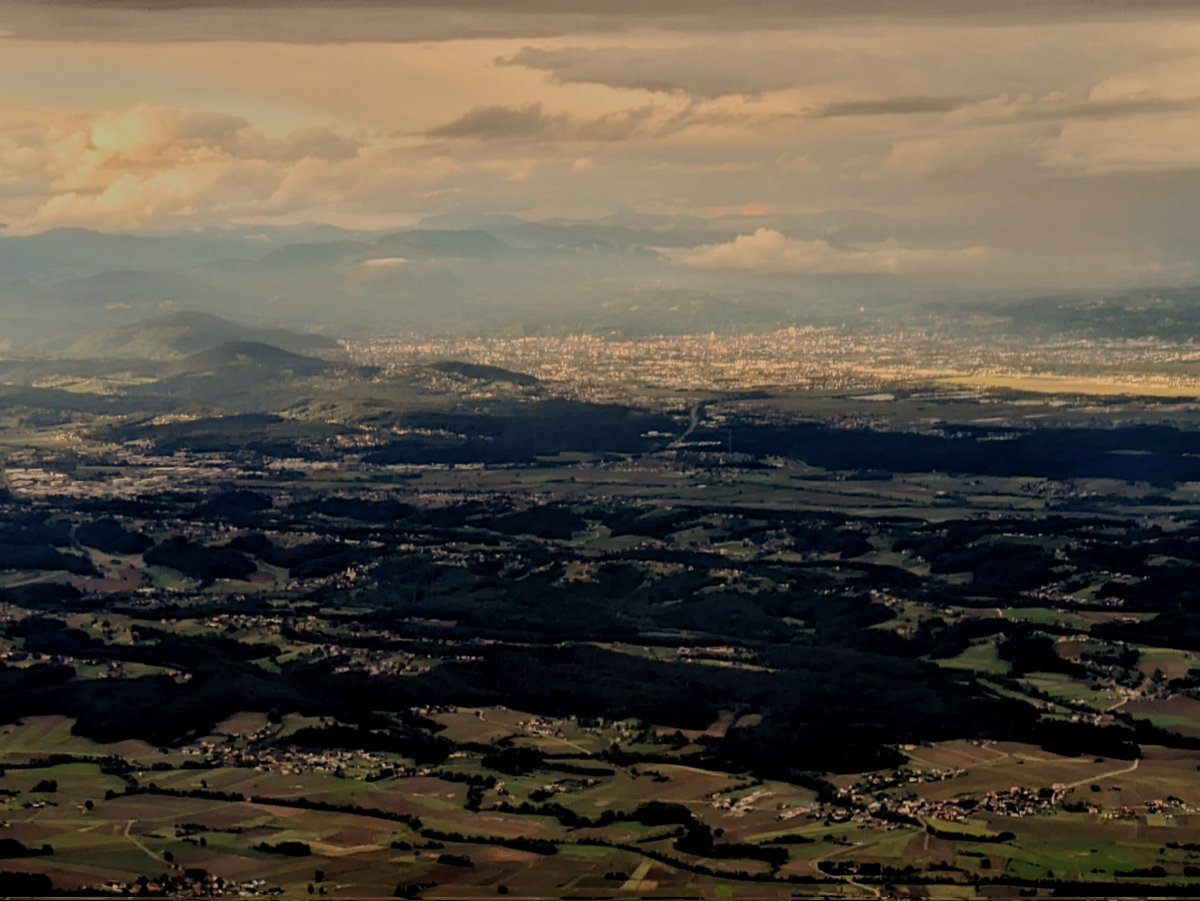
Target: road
570, 744
694, 417
1128, 769
138, 843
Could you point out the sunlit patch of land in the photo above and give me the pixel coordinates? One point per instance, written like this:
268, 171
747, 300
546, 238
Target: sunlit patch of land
1097, 386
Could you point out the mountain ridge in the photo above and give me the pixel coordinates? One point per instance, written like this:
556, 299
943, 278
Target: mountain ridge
179, 335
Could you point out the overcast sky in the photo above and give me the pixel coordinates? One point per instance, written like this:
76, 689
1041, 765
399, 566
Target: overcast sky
1019, 143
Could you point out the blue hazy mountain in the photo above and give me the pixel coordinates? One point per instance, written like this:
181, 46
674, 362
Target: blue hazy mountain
459, 274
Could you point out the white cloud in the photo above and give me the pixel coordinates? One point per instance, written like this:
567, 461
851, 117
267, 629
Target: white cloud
148, 138
1150, 143
767, 250
151, 165
938, 155
155, 167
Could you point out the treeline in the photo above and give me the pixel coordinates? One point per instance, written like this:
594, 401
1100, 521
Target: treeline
1159, 455
823, 709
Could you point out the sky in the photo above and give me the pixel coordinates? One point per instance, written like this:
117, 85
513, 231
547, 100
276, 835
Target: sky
1000, 142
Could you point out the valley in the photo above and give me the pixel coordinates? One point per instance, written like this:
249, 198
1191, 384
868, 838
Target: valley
428, 627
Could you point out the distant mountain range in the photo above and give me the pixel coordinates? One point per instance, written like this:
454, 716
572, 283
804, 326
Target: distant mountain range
474, 274
462, 274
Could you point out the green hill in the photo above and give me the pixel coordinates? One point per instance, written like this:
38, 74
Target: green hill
246, 356
183, 334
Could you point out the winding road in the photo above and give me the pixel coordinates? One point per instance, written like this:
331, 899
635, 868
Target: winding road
694, 416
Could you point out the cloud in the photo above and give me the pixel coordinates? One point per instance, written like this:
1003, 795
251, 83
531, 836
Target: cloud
798, 164
1110, 146
1098, 134
533, 122
475, 15
1010, 134
653, 7
153, 164
951, 153
767, 250
1036, 128
685, 68
146, 140
890, 106
133, 199
1057, 106
491, 123
384, 263
418, 21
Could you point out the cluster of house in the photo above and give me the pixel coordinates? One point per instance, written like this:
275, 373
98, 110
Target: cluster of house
192, 884
865, 803
283, 761
744, 805
1168, 808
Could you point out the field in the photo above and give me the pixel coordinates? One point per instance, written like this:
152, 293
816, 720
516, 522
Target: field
832, 644
360, 850
221, 819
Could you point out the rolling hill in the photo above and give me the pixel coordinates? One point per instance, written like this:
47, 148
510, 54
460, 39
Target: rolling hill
246, 356
181, 335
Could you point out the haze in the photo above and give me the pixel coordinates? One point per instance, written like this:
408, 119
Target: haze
977, 146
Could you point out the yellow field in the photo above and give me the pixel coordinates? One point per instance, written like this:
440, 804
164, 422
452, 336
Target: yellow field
1073, 385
